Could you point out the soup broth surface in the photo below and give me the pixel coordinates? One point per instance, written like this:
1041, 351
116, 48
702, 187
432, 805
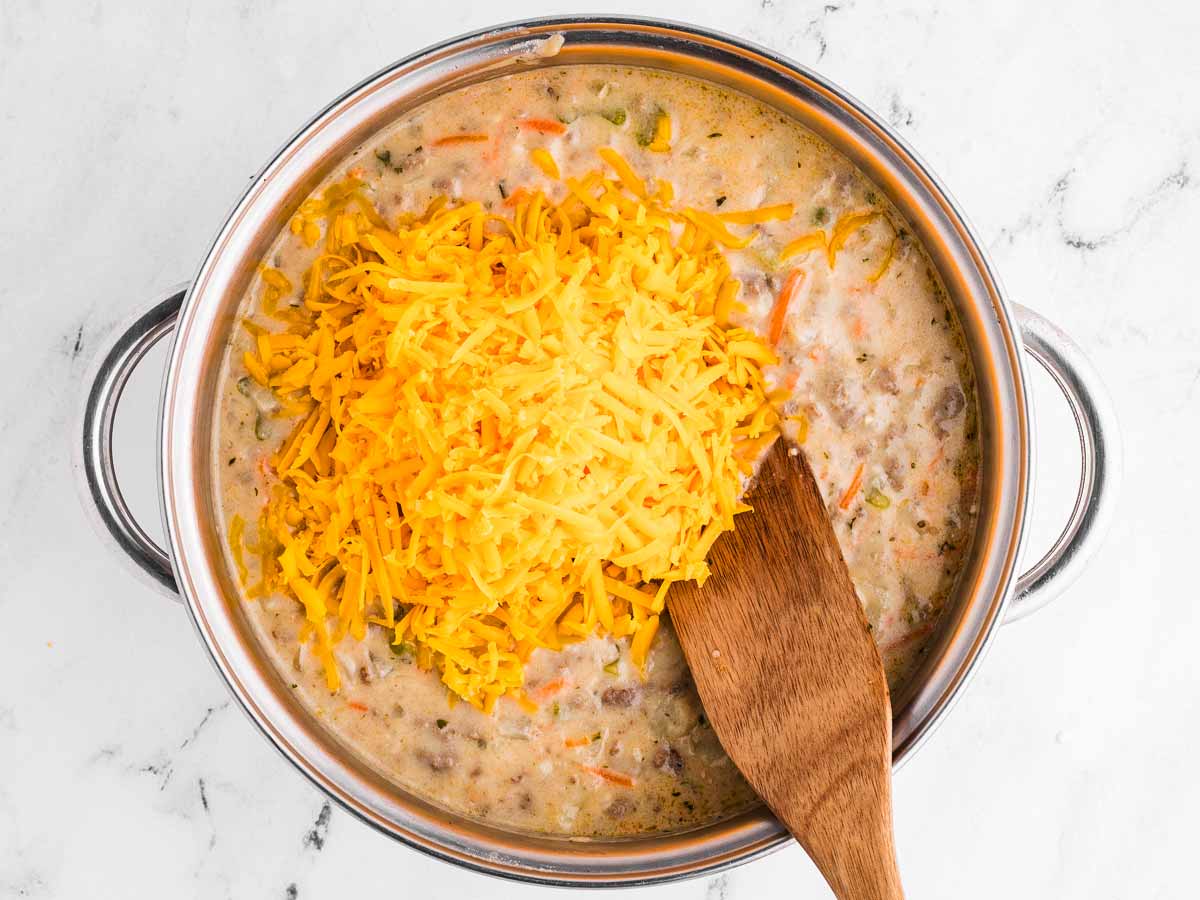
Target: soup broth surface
878, 386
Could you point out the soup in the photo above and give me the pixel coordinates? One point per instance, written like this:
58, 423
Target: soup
872, 382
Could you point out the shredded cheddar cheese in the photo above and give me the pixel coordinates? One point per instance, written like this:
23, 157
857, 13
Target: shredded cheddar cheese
543, 160
660, 141
512, 431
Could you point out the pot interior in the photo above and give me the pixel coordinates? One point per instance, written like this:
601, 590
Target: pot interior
210, 314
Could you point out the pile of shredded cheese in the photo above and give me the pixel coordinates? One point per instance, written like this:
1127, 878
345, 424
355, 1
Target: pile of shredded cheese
513, 432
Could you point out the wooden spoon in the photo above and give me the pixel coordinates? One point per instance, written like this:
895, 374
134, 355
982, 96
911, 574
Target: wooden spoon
791, 679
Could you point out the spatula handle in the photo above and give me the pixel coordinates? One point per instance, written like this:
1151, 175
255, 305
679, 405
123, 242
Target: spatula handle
792, 682
858, 863
865, 871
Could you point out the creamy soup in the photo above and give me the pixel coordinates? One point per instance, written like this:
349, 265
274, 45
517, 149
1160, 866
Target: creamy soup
873, 379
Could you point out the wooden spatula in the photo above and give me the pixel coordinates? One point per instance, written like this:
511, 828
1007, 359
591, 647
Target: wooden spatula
791, 679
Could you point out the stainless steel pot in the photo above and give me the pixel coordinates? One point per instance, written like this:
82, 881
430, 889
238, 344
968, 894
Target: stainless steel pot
201, 316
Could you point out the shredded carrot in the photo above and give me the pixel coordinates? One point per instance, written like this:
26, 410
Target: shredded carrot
577, 741
786, 388
452, 139
517, 196
937, 457
609, 775
543, 126
549, 689
906, 551
779, 310
354, 704
489, 153
855, 484
908, 638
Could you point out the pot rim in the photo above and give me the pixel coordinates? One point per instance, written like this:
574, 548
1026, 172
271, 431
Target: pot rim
184, 459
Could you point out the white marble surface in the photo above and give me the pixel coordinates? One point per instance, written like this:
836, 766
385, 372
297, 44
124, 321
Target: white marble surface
1070, 131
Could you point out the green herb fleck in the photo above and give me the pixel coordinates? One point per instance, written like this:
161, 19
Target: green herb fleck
595, 737
404, 649
878, 499
715, 134
649, 127
616, 116
262, 430
442, 723
721, 200
555, 709
384, 156
872, 197
911, 611
243, 386
502, 188
820, 215
614, 667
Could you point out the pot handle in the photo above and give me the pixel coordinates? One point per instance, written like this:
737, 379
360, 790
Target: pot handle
103, 495
1100, 448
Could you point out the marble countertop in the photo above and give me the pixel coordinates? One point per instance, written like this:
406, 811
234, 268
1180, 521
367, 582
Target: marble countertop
1070, 132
